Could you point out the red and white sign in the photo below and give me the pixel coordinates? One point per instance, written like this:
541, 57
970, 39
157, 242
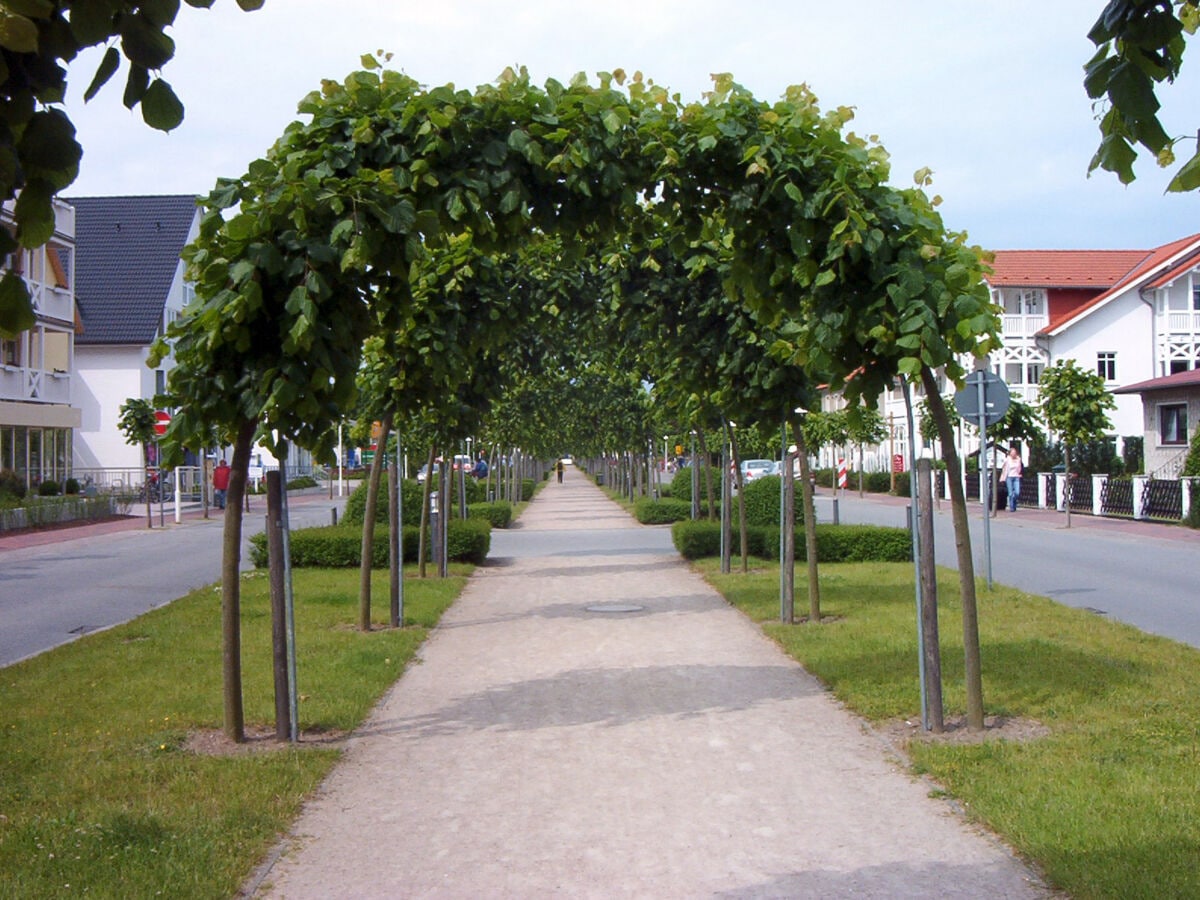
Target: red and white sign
162, 419
842, 479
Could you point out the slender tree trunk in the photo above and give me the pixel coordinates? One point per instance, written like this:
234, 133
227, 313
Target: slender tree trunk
962, 546
422, 542
741, 485
708, 475
368, 532
1067, 482
787, 558
395, 543
810, 528
146, 482
231, 585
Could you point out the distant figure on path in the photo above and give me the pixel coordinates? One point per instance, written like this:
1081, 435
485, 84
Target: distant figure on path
220, 483
558, 467
1011, 473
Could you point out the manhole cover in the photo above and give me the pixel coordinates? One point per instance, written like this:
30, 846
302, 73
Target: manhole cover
615, 608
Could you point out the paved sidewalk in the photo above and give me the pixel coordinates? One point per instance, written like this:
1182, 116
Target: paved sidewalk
542, 749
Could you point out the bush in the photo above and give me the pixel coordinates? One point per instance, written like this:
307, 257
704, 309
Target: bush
498, 513
681, 484
340, 546
410, 500
302, 481
662, 512
11, 484
48, 489
835, 543
71, 486
761, 497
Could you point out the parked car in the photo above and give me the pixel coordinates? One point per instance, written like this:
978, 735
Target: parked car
756, 468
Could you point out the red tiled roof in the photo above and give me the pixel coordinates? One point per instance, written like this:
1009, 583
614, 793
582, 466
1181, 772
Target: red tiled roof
1063, 268
1179, 379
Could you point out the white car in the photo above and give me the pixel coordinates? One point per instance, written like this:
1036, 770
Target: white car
756, 468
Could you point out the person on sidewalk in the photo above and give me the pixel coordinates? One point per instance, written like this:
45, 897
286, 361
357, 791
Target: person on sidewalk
1011, 473
558, 467
220, 483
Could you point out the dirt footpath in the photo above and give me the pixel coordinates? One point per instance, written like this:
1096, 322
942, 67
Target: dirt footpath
592, 720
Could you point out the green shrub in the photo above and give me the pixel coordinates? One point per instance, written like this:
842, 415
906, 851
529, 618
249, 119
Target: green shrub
302, 481
835, 543
410, 499
661, 512
71, 486
11, 484
1192, 519
48, 489
498, 513
761, 497
681, 484
340, 546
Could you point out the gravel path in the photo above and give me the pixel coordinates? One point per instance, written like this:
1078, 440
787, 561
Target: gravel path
544, 749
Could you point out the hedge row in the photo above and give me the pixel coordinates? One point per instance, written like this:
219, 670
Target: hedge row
661, 512
498, 513
411, 495
340, 546
835, 543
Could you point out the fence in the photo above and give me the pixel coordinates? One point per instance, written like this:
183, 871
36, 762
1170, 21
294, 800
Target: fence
1138, 497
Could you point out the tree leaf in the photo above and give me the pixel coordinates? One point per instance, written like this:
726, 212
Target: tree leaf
109, 64
161, 109
16, 309
17, 33
1187, 178
145, 44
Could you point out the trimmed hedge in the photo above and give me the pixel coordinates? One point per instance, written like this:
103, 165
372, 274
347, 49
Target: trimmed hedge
662, 512
835, 543
339, 546
681, 484
410, 502
761, 497
498, 513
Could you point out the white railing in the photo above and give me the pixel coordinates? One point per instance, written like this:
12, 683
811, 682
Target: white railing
32, 384
1183, 322
1023, 326
52, 303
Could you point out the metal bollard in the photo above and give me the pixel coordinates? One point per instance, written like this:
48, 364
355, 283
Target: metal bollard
333, 515
836, 517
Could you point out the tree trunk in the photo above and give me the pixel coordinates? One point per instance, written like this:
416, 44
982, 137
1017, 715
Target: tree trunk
395, 543
787, 556
231, 584
368, 532
810, 528
708, 475
962, 546
741, 486
146, 482
422, 541
1067, 482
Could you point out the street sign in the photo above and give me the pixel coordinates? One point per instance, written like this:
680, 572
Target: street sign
162, 419
995, 398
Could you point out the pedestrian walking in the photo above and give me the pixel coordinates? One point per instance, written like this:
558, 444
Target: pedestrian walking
1011, 473
558, 467
220, 483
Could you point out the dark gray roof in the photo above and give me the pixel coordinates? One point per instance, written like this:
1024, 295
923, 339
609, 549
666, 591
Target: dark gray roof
126, 253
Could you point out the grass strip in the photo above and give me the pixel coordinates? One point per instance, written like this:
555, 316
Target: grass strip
1108, 804
98, 794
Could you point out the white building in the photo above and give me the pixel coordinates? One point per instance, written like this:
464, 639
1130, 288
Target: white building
130, 286
38, 411
1129, 315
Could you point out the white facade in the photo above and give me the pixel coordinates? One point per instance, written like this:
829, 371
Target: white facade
37, 390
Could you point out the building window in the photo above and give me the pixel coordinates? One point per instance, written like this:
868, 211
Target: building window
1106, 365
1034, 371
1196, 296
10, 353
1179, 365
160, 382
1172, 423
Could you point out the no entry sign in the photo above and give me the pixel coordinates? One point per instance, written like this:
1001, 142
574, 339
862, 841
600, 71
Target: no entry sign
162, 419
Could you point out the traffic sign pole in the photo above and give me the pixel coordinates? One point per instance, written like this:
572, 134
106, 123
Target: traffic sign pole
985, 493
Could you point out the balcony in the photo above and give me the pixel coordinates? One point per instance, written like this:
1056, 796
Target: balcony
1023, 326
32, 384
1183, 322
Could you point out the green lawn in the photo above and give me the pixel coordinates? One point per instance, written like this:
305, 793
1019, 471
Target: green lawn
98, 795
1109, 803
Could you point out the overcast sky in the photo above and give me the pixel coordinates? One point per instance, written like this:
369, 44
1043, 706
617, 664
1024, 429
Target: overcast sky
987, 94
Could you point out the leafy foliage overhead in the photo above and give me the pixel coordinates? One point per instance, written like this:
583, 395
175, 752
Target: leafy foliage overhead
1140, 46
39, 156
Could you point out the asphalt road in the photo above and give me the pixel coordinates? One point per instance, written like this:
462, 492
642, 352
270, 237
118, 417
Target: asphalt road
91, 578
1142, 574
